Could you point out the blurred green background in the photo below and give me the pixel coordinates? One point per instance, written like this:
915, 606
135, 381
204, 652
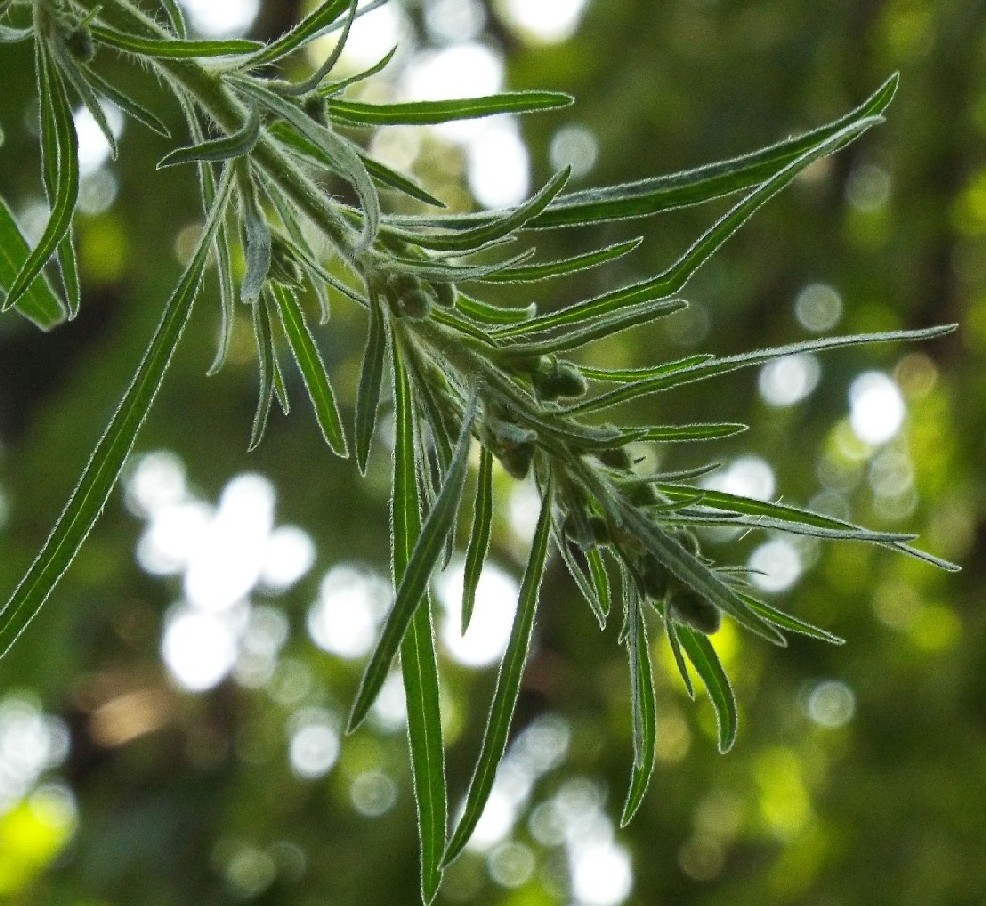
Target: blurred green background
170, 723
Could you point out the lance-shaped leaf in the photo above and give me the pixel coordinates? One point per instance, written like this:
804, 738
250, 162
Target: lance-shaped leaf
313, 81
256, 244
493, 314
394, 180
341, 153
673, 433
39, 303
479, 536
418, 662
127, 104
265, 369
546, 270
52, 151
583, 580
368, 391
643, 703
786, 621
675, 277
60, 147
704, 659
672, 629
332, 88
600, 326
713, 367
70, 69
471, 239
175, 17
312, 368
507, 685
600, 581
103, 469
414, 584
314, 24
622, 375
172, 48
429, 113
690, 187
236, 144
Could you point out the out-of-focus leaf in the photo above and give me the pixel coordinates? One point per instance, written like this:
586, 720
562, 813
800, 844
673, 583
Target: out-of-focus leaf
60, 149
39, 303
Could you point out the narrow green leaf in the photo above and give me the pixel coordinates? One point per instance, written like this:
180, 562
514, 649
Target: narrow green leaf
172, 48
429, 113
672, 433
414, 584
394, 180
72, 72
675, 277
467, 240
39, 303
600, 581
103, 469
175, 17
59, 144
672, 629
547, 270
265, 367
368, 392
418, 662
598, 326
256, 243
313, 81
479, 536
127, 104
334, 88
706, 663
507, 686
236, 144
714, 367
644, 705
309, 28
312, 369
52, 162
787, 621
583, 580
493, 314
339, 152
621, 375
690, 187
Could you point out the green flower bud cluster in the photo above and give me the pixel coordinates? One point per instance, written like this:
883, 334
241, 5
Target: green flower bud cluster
510, 443
411, 297
79, 43
681, 603
555, 378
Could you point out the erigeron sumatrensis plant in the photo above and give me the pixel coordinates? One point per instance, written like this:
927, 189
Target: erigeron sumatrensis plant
461, 370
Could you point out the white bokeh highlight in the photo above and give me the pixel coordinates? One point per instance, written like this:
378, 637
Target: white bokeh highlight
876, 408
220, 18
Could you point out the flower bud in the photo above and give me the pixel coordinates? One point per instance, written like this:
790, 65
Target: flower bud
687, 607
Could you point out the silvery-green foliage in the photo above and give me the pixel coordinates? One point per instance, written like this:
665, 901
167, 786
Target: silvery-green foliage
464, 372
